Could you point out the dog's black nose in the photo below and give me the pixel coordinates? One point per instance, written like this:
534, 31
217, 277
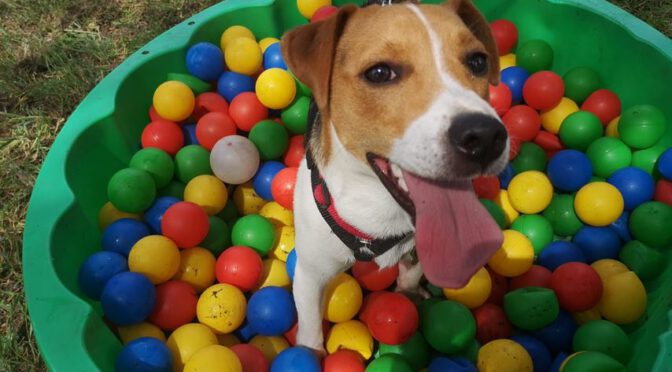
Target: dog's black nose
478, 137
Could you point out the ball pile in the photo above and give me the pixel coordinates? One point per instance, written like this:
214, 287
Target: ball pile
198, 255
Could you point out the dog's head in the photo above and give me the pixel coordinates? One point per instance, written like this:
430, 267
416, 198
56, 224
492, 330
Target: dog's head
404, 87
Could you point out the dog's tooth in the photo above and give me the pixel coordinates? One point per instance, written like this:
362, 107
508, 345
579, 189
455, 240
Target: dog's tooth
396, 171
402, 184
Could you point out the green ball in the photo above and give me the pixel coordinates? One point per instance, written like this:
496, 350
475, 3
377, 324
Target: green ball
131, 190
415, 351
646, 159
592, 361
254, 231
530, 157
449, 327
301, 88
389, 363
174, 188
423, 309
157, 163
580, 82
651, 224
295, 116
607, 155
535, 56
536, 228
471, 352
192, 161
641, 126
219, 236
605, 337
531, 308
229, 213
270, 138
197, 85
561, 215
645, 261
495, 211
580, 129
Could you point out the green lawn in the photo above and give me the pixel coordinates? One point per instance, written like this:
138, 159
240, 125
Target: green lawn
52, 52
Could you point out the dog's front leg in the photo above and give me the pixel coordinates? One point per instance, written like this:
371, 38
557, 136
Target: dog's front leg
410, 275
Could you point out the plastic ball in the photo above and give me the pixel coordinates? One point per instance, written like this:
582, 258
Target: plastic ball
605, 337
189, 133
644, 261
97, 270
459, 364
271, 311
187, 340
506, 61
651, 223
486, 187
530, 192
500, 98
607, 155
560, 213
267, 42
210, 102
197, 268
323, 13
515, 78
607, 268
604, 104
291, 264
612, 128
553, 118
175, 305
263, 180
295, 152
144, 355
214, 358
557, 336
505, 176
577, 285
522, 122
246, 110
222, 307
449, 326
205, 61
252, 359
255, 232
186, 224
192, 161
505, 34
295, 116
231, 84
475, 293
415, 351
558, 253
140, 330
307, 8
664, 165
208, 192
491, 323
174, 101
270, 346
128, 298
343, 298
282, 187
504, 203
273, 273
393, 318
196, 85
131, 190
580, 129
663, 192
541, 356
536, 228
372, 277
219, 236
569, 170
646, 159
635, 185
351, 335
239, 266
234, 160
641, 126
343, 361
175, 189
243, 55
270, 138
155, 256
389, 362
296, 359
212, 127
109, 213
275, 88
531, 308
514, 257
543, 90
277, 214
598, 204
273, 57
504, 355
155, 162
580, 82
597, 243
154, 214
549, 142
246, 199
536, 276
122, 234
284, 243
531, 157
535, 56
234, 32
591, 361
624, 298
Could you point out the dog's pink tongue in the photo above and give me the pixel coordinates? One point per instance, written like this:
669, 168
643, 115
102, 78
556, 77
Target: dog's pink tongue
454, 234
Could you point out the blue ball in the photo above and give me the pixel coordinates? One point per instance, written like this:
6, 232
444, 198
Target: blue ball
97, 270
459, 364
245, 332
558, 335
155, 213
636, 186
146, 354
621, 226
296, 359
189, 132
569, 170
557, 362
291, 263
271, 311
541, 357
231, 84
559, 252
506, 176
273, 57
205, 61
128, 298
264, 177
665, 164
122, 234
598, 243
515, 77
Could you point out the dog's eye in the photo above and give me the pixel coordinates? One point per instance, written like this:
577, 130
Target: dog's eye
380, 73
477, 63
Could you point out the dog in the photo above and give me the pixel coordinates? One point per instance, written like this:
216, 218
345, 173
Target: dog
401, 124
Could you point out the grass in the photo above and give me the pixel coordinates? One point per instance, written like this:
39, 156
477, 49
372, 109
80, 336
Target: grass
52, 52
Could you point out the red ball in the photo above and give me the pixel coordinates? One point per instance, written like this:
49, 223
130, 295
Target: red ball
486, 187
543, 90
291, 334
663, 192
295, 151
500, 286
577, 285
392, 318
505, 34
246, 110
522, 122
251, 358
164, 135
209, 102
536, 276
239, 266
364, 311
491, 323
514, 147
323, 13
186, 224
212, 127
500, 98
282, 187
153, 116
549, 142
175, 305
604, 103
343, 360
370, 276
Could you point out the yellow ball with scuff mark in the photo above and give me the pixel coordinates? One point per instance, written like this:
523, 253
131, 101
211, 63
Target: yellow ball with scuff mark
270, 346
197, 268
222, 307
284, 243
246, 199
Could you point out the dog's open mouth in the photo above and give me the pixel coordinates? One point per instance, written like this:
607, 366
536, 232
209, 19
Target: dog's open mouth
454, 234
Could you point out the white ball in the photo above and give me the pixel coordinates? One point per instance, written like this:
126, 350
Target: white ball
234, 159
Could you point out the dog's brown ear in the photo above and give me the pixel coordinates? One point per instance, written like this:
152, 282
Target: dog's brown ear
309, 52
477, 24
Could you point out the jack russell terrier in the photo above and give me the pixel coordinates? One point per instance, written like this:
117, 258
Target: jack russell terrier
401, 126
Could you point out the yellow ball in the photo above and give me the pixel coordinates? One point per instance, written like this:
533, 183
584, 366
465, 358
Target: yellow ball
243, 55
277, 214
222, 308
273, 274
598, 204
174, 101
608, 267
197, 267
475, 293
270, 346
504, 355
308, 7
623, 298
155, 256
208, 192
552, 119
266, 42
351, 335
234, 32
530, 192
275, 88
507, 61
343, 298
515, 256
284, 244
109, 213
228, 340
587, 316
214, 358
612, 128
188, 339
140, 330
504, 202
246, 199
